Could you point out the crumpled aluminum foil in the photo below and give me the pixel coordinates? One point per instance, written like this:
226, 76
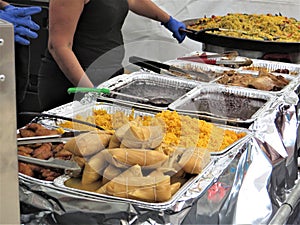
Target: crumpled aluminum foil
246, 185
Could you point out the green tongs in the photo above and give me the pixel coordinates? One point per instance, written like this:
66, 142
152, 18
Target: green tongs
104, 91
157, 101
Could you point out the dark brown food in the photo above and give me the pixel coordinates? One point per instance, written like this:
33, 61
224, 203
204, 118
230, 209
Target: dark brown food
26, 133
223, 104
42, 151
25, 169
25, 150
49, 174
45, 132
35, 129
34, 126
285, 71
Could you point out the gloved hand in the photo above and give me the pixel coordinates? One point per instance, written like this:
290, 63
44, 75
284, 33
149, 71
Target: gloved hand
20, 17
174, 26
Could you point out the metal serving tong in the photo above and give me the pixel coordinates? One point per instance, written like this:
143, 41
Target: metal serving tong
157, 101
104, 91
227, 59
40, 116
66, 136
162, 68
70, 167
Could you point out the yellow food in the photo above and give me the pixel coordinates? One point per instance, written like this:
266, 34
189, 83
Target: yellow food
253, 26
179, 130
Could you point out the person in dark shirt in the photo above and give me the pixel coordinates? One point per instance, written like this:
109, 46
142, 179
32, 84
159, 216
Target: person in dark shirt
25, 29
83, 31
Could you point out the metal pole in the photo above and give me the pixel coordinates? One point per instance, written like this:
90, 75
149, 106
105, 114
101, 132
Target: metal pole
287, 208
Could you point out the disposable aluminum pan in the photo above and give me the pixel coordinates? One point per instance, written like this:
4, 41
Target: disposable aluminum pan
224, 103
291, 70
60, 182
73, 109
161, 90
256, 74
281, 68
87, 110
213, 70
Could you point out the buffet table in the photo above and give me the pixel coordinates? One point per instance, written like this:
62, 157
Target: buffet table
256, 181
257, 174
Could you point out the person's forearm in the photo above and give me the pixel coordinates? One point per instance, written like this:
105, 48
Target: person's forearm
70, 66
148, 9
3, 4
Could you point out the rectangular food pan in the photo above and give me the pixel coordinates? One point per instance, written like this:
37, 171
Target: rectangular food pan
274, 67
224, 104
161, 90
85, 111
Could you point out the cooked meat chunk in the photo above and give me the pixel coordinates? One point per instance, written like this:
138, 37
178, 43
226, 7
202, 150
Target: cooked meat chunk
26, 133
34, 126
262, 83
25, 169
43, 152
45, 132
25, 150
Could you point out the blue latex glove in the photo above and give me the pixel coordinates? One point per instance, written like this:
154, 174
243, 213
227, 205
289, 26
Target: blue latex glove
174, 26
20, 17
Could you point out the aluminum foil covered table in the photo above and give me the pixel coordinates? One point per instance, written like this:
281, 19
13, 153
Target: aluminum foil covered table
255, 176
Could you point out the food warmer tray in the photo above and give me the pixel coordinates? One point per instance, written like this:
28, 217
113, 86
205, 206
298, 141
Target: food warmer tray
224, 104
110, 108
241, 43
75, 108
217, 71
148, 85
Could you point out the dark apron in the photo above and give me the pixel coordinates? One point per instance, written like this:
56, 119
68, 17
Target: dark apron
22, 65
97, 33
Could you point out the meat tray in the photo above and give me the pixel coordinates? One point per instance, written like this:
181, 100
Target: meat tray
291, 69
148, 85
270, 66
220, 71
224, 104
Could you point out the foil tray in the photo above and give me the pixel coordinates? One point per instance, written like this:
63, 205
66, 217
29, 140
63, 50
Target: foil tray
224, 103
72, 109
196, 187
217, 71
272, 66
60, 183
87, 110
213, 70
147, 85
